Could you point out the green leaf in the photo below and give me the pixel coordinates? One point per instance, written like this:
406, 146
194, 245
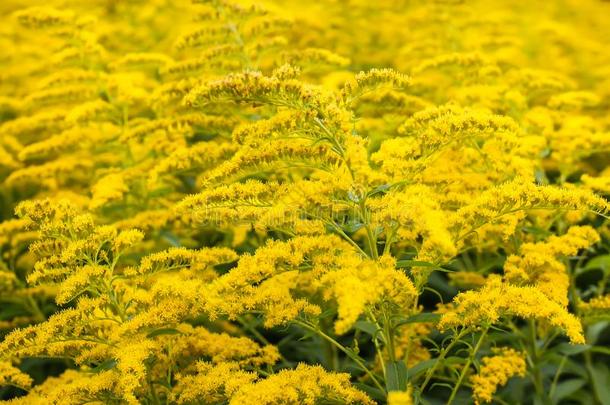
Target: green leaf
410, 263
380, 189
367, 327
171, 238
600, 349
372, 392
570, 350
598, 262
574, 367
594, 331
421, 367
601, 382
11, 310
534, 230
420, 318
163, 331
352, 227
106, 365
396, 375
490, 264
567, 388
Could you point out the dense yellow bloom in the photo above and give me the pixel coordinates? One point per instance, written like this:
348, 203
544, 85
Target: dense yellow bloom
435, 127
223, 348
498, 299
44, 16
538, 263
519, 195
596, 308
495, 372
600, 183
274, 156
212, 383
198, 157
11, 375
365, 81
364, 284
263, 201
264, 280
9, 229
254, 86
72, 387
78, 281
45, 174
130, 365
416, 221
108, 188
304, 385
61, 142
229, 204
175, 258
400, 398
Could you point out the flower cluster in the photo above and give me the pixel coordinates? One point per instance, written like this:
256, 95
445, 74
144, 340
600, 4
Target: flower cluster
495, 372
303, 202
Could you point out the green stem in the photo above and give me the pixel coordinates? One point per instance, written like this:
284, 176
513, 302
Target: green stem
339, 346
376, 342
467, 366
347, 238
602, 285
440, 359
557, 374
536, 373
372, 242
252, 330
35, 309
151, 386
591, 372
259, 336
388, 241
332, 360
389, 337
370, 237
113, 301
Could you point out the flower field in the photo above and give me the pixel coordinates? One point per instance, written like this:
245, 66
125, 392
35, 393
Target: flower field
304, 202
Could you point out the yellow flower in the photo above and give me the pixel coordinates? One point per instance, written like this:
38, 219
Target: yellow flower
597, 308
538, 263
400, 397
495, 372
497, 299
304, 385
194, 179
358, 284
212, 383
11, 375
132, 370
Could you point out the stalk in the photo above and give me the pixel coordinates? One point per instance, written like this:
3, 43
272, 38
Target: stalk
439, 360
467, 366
349, 353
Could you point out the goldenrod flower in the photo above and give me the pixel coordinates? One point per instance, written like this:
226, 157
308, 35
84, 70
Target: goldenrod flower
495, 372
304, 385
497, 299
400, 398
231, 202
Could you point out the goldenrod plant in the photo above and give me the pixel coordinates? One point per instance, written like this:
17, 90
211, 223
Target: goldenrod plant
304, 202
